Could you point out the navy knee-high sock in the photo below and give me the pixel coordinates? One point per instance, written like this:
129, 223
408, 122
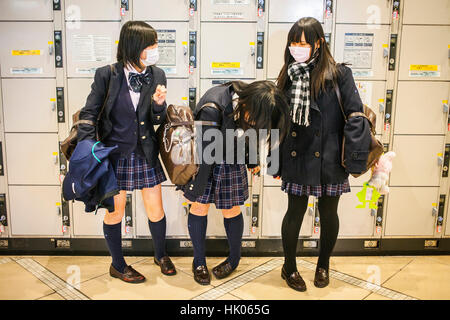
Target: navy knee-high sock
113, 237
197, 230
234, 228
158, 231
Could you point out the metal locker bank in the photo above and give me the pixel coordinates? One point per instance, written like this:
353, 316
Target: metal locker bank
398, 53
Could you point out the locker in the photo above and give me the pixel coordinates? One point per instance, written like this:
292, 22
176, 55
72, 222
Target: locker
420, 12
22, 110
275, 203
417, 160
77, 10
92, 45
410, 211
293, 10
35, 210
36, 10
228, 50
77, 92
228, 10
206, 84
364, 12
373, 94
420, 108
173, 48
177, 91
156, 10
27, 49
365, 48
354, 222
216, 227
426, 59
447, 229
176, 215
32, 158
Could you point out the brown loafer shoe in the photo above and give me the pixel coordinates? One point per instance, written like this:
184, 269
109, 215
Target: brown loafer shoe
222, 270
129, 274
201, 275
321, 278
294, 280
166, 266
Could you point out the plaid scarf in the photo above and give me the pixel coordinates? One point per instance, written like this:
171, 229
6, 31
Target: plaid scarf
301, 93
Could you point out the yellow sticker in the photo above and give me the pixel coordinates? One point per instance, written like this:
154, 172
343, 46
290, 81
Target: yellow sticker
380, 100
184, 203
58, 204
423, 67
247, 205
184, 43
440, 154
252, 43
184, 98
55, 153
444, 101
434, 204
50, 42
117, 41
225, 65
385, 45
310, 205
26, 52
52, 99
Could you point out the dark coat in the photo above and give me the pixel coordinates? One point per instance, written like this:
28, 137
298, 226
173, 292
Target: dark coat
148, 112
91, 178
312, 155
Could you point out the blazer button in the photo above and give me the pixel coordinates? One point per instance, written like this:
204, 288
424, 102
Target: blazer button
142, 123
157, 117
294, 134
293, 153
144, 137
317, 154
317, 133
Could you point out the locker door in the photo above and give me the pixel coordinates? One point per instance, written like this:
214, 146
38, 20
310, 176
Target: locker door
228, 10
354, 222
36, 10
77, 92
206, 84
420, 108
92, 10
177, 91
27, 49
157, 10
447, 229
420, 12
32, 158
275, 202
410, 211
228, 50
416, 163
367, 11
426, 59
373, 94
22, 110
216, 227
276, 44
365, 48
87, 224
92, 45
176, 216
293, 10
35, 210
173, 48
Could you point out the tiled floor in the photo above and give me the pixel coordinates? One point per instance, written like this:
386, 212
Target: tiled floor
356, 278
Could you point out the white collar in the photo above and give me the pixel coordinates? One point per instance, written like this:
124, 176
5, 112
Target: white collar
129, 68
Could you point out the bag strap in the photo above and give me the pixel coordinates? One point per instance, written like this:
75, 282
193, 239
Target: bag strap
351, 115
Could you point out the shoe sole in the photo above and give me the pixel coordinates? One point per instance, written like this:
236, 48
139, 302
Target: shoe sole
320, 286
296, 289
134, 281
166, 274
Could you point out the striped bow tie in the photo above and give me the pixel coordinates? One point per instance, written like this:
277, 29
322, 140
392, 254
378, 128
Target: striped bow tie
136, 80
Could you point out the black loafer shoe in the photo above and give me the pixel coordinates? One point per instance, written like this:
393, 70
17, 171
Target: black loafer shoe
321, 278
294, 280
129, 274
222, 270
201, 275
166, 266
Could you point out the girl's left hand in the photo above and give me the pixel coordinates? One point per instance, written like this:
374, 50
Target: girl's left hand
160, 94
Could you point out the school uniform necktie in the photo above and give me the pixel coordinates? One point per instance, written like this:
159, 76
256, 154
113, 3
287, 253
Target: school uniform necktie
136, 80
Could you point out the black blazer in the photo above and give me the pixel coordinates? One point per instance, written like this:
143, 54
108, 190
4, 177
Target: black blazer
148, 111
312, 155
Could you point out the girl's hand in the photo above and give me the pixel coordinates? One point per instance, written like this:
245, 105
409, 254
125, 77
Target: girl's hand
160, 94
255, 170
277, 177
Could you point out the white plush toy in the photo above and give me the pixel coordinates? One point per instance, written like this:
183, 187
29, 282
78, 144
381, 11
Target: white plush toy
380, 174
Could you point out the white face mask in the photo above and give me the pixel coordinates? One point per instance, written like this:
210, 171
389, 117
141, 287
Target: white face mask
152, 57
300, 54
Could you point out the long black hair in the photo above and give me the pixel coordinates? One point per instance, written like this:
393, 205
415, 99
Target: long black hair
325, 66
135, 36
261, 105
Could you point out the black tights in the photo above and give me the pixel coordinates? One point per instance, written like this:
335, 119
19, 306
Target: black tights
292, 221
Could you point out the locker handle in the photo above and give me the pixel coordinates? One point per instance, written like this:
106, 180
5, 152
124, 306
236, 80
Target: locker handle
382, 107
445, 107
53, 105
55, 159
252, 51
50, 49
385, 52
310, 211
185, 50
434, 211
58, 211
440, 160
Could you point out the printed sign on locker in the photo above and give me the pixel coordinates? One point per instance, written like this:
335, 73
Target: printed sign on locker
228, 10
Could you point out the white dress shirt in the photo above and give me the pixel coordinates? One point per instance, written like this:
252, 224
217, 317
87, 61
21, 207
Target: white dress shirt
134, 95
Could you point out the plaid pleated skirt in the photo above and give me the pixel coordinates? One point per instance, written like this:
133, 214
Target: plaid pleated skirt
134, 172
227, 187
331, 190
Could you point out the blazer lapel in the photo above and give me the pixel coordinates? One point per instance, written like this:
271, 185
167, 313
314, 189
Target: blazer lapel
114, 88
